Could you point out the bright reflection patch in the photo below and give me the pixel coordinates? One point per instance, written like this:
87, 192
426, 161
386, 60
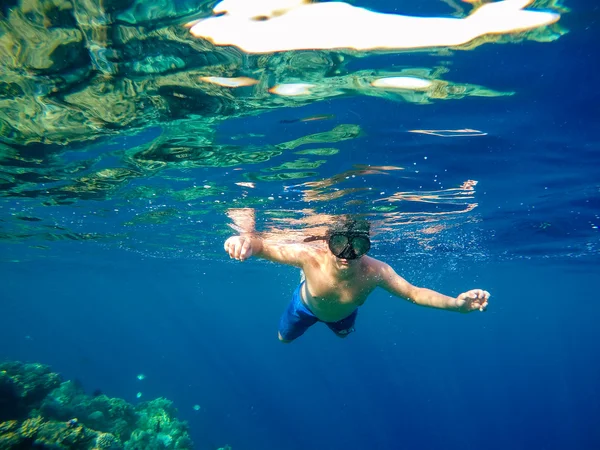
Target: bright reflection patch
401, 83
291, 89
451, 133
230, 82
266, 26
246, 184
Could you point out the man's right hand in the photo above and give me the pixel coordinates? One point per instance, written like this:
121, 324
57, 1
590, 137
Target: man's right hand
239, 247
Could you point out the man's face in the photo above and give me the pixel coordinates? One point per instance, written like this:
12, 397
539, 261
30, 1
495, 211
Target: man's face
344, 264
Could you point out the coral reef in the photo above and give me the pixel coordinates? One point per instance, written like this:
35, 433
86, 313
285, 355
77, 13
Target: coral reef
23, 387
39, 410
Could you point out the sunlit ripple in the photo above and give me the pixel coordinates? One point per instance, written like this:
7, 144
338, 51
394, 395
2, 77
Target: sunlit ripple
299, 25
64, 181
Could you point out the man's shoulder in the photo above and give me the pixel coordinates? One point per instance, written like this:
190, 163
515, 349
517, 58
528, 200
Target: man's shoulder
313, 249
313, 253
375, 267
374, 262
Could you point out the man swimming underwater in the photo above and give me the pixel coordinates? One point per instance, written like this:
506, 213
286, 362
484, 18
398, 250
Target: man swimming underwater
339, 280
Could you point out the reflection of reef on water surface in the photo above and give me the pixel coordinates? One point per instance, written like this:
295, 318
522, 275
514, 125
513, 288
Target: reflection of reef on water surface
73, 71
40, 410
78, 77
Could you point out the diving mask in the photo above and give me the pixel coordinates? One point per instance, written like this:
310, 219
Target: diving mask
348, 245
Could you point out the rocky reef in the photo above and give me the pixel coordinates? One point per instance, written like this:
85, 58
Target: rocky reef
40, 410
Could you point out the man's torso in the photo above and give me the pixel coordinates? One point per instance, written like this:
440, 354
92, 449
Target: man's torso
332, 298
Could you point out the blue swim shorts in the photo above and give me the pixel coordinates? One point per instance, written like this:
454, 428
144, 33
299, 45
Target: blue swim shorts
297, 318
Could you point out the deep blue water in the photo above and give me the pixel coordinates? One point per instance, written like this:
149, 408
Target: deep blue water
523, 375
204, 330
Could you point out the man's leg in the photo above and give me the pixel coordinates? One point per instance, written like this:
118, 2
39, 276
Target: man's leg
282, 340
342, 328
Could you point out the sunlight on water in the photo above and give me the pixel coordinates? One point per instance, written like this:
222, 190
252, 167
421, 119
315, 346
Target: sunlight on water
301, 25
111, 118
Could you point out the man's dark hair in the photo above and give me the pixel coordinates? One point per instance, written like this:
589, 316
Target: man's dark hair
349, 225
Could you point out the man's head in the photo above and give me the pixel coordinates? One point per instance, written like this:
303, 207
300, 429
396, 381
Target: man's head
349, 239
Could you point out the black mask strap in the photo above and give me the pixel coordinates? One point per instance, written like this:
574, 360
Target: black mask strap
315, 238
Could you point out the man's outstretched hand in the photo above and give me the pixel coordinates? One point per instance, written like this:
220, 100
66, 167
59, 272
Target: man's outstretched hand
475, 299
239, 247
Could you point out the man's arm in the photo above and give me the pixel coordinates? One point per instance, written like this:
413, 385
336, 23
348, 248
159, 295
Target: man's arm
243, 247
475, 299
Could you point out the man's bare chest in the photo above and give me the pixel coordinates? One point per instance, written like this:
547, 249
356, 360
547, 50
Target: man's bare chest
325, 290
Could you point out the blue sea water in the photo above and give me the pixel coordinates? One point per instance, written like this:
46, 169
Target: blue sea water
203, 329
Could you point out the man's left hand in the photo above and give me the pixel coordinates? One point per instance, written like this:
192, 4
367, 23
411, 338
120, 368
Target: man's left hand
475, 299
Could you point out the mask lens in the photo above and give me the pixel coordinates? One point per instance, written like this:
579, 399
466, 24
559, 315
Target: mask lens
338, 243
361, 245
